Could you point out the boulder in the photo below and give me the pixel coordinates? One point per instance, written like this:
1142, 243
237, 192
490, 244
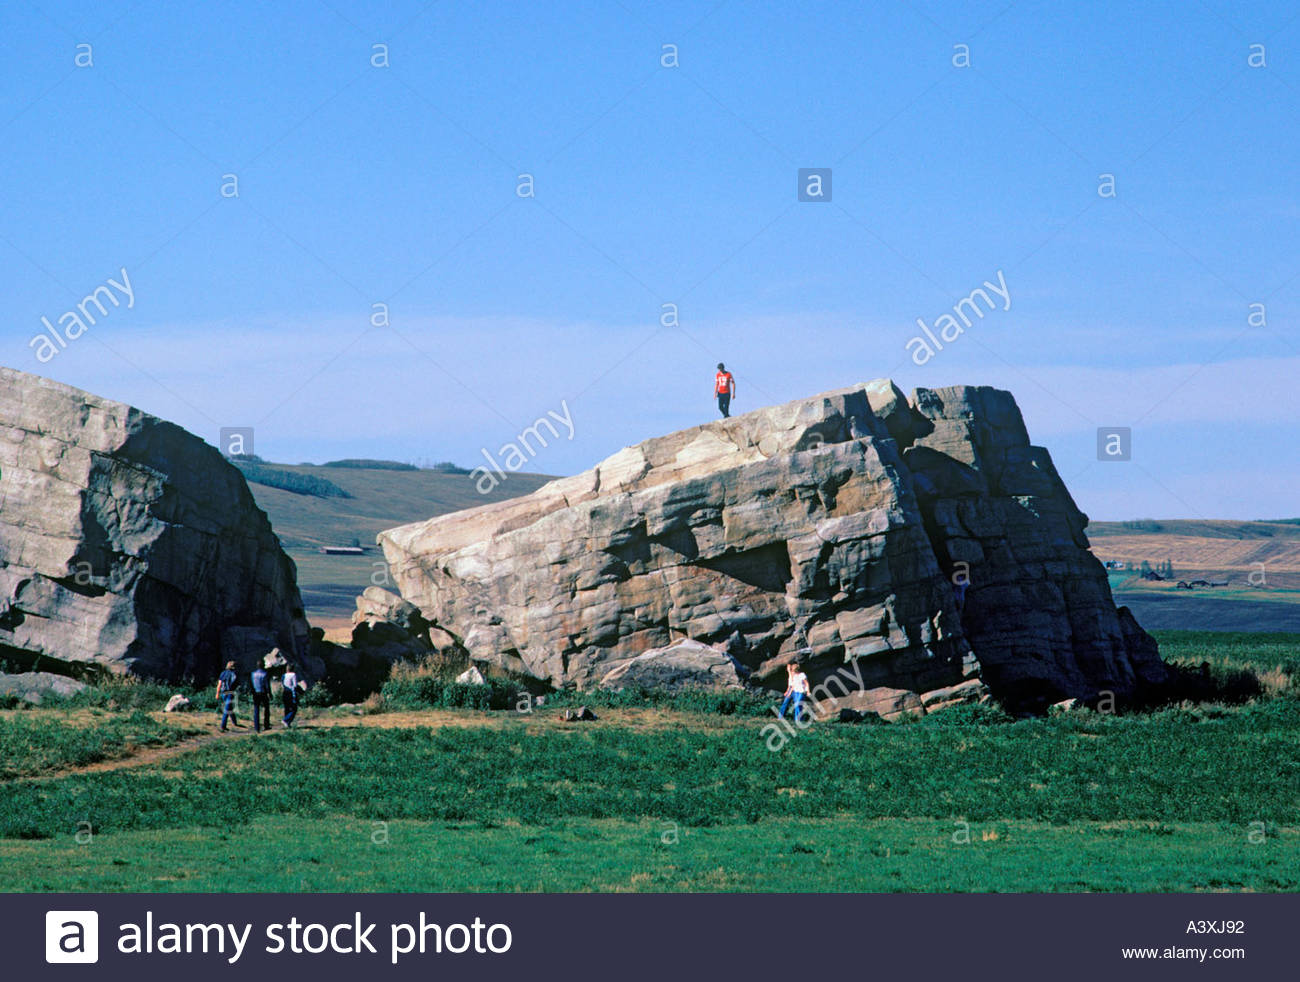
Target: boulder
972, 691
793, 526
35, 687
471, 676
128, 544
386, 626
916, 545
176, 704
379, 605
684, 665
889, 704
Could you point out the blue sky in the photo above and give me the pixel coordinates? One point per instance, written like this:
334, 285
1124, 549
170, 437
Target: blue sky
661, 185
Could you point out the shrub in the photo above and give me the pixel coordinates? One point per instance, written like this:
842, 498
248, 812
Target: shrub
430, 691
1211, 683
122, 693
973, 714
318, 695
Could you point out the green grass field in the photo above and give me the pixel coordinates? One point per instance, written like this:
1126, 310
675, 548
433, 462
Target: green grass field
659, 797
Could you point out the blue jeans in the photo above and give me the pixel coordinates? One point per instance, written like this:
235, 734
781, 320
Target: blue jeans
227, 708
797, 697
261, 711
290, 699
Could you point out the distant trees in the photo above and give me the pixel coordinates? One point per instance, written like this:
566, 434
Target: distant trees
1143, 525
1164, 569
364, 463
274, 477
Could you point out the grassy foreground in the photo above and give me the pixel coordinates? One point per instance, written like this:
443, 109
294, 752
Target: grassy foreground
345, 854
660, 798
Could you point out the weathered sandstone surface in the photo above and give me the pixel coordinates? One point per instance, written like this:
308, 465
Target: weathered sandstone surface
128, 544
837, 530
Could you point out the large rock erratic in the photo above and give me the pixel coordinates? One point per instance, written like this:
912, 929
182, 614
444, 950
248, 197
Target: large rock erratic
837, 530
128, 544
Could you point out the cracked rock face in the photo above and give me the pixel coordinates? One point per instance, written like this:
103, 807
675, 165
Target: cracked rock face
1038, 610
828, 530
128, 544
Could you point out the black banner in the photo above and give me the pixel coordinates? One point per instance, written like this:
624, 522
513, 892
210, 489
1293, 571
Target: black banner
481, 936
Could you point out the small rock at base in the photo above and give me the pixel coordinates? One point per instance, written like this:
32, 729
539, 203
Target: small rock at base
471, 676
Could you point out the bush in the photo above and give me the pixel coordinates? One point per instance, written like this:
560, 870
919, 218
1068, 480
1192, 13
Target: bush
121, 693
430, 691
319, 695
1211, 683
447, 467
973, 714
274, 477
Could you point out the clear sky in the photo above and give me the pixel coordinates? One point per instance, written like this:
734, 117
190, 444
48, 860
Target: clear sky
667, 175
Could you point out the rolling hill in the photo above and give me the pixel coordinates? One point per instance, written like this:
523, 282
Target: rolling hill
1258, 564
377, 499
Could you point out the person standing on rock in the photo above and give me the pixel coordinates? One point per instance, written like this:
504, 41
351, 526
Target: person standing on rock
724, 387
796, 688
261, 699
226, 683
290, 697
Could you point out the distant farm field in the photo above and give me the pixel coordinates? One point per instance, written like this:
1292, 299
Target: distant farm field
377, 499
659, 798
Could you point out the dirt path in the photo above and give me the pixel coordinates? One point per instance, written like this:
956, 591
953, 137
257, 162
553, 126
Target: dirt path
636, 719
143, 757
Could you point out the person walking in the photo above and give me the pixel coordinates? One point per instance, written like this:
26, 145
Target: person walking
796, 688
290, 697
227, 681
724, 387
261, 698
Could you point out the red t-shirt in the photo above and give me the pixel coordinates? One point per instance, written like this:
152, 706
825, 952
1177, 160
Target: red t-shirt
723, 382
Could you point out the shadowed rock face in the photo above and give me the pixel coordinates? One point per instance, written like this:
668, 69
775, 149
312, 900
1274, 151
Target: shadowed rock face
1038, 610
826, 529
127, 543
